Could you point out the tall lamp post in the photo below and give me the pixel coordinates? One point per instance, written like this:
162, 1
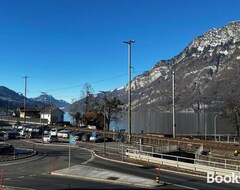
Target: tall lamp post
25, 96
173, 104
104, 124
129, 42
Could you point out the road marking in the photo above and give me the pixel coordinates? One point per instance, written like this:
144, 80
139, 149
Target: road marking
183, 186
14, 187
7, 179
92, 156
21, 177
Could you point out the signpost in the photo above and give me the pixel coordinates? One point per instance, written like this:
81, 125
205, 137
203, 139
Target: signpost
72, 141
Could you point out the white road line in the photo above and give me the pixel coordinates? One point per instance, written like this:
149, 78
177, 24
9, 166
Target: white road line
20, 177
92, 156
7, 179
183, 186
14, 187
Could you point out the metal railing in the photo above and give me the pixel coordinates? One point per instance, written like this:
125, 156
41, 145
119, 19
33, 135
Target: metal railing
178, 159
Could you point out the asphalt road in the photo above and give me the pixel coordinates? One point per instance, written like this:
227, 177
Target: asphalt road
34, 173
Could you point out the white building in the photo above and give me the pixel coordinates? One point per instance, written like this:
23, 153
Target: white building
52, 114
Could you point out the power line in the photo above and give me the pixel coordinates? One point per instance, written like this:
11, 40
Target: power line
79, 85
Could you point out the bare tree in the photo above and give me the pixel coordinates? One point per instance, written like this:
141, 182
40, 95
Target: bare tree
230, 108
87, 95
112, 108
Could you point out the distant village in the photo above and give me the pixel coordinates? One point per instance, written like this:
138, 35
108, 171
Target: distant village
38, 115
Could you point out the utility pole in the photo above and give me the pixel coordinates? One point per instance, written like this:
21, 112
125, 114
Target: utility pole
129, 42
25, 96
104, 123
173, 104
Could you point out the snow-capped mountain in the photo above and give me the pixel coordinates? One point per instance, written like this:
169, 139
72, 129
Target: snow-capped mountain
207, 67
50, 100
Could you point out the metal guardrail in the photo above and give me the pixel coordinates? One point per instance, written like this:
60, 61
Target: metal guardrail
149, 151
179, 159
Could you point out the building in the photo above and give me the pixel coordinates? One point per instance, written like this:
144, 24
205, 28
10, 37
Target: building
52, 114
29, 113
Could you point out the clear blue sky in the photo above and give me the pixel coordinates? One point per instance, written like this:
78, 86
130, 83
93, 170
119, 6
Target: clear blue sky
63, 44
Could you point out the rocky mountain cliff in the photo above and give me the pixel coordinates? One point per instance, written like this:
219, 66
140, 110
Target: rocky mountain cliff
207, 67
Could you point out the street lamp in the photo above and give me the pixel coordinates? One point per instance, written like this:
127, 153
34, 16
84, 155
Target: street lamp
104, 124
129, 42
173, 104
25, 96
215, 125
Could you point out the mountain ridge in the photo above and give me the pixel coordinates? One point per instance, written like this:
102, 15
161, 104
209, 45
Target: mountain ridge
202, 70
9, 99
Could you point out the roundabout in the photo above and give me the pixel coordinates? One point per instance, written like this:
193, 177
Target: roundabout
9, 153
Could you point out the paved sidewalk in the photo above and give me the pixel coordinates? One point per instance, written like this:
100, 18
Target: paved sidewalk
92, 173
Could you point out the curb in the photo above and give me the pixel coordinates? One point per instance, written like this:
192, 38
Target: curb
118, 161
138, 165
107, 180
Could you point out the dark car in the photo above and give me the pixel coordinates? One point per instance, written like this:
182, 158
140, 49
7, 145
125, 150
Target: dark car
78, 135
85, 138
108, 139
2, 135
10, 135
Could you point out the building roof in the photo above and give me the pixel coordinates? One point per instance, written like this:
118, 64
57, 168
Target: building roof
50, 109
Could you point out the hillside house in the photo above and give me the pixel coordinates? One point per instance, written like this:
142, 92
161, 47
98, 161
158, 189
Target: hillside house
52, 114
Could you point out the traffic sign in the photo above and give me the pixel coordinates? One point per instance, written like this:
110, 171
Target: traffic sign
94, 134
72, 140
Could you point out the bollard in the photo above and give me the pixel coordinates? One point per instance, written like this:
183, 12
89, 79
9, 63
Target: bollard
1, 180
157, 178
53, 165
14, 154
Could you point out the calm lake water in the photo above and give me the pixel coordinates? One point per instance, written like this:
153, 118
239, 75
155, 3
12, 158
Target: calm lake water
161, 123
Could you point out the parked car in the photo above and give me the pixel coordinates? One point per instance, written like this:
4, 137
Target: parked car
66, 133
50, 138
78, 135
53, 132
46, 132
97, 138
2, 133
10, 135
85, 138
108, 139
60, 133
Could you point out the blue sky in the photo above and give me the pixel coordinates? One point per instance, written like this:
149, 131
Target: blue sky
63, 44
